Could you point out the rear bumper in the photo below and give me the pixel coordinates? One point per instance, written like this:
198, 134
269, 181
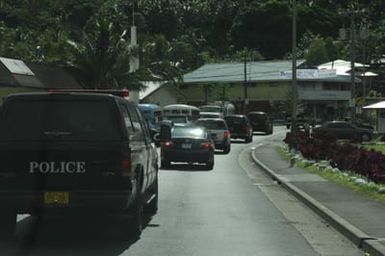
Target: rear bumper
187, 156
260, 128
221, 144
235, 135
79, 200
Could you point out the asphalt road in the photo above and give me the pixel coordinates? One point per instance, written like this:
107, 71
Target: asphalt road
235, 209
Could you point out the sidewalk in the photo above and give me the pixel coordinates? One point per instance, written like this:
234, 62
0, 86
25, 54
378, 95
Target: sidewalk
360, 219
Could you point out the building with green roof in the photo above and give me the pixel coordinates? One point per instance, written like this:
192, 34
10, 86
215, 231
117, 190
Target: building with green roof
321, 92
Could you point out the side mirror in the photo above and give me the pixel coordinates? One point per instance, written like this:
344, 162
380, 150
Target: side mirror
165, 130
155, 136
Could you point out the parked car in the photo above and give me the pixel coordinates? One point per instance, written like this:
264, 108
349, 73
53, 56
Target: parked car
191, 144
240, 127
343, 130
260, 121
218, 131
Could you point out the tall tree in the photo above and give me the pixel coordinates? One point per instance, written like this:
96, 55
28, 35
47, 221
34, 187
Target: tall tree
102, 58
317, 53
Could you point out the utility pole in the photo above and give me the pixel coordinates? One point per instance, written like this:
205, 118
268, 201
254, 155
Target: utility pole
352, 13
294, 89
245, 100
352, 67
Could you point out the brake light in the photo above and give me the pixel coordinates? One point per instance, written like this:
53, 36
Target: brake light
226, 135
126, 163
125, 93
206, 145
168, 144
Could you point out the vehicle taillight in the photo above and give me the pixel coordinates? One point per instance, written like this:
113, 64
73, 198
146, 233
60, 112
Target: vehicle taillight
125, 93
168, 144
226, 135
126, 163
206, 145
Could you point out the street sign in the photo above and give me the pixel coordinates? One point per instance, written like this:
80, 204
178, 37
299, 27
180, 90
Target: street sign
310, 73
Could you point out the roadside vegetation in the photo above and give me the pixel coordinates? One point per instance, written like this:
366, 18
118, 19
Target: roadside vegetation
175, 37
343, 178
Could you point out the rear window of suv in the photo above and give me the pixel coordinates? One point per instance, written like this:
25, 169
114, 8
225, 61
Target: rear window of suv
235, 120
257, 117
212, 124
31, 119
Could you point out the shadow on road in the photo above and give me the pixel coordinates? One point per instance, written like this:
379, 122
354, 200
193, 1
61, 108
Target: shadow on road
83, 236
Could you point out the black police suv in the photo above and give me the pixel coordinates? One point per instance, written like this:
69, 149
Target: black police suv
74, 152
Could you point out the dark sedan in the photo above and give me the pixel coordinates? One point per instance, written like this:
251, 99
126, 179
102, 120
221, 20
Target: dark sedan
343, 130
191, 144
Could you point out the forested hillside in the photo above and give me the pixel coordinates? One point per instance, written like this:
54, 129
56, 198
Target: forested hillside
177, 36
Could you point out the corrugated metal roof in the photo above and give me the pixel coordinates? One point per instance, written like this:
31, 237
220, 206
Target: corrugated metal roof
150, 87
378, 105
343, 67
257, 71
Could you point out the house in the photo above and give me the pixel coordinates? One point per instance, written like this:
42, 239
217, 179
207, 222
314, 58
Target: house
161, 93
266, 86
379, 108
19, 76
343, 68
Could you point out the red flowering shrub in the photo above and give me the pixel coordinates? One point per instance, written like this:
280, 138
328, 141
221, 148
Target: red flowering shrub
368, 163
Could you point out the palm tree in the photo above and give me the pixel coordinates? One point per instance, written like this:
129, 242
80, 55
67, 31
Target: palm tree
102, 59
159, 60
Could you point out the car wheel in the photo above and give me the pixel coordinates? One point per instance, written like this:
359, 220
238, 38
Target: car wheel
227, 149
210, 163
137, 215
165, 164
152, 207
7, 225
249, 139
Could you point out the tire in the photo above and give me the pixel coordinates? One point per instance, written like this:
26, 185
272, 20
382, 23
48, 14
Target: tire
249, 139
227, 148
136, 225
152, 207
165, 164
7, 226
210, 164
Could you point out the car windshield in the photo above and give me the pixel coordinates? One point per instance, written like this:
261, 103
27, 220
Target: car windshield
235, 120
212, 124
188, 132
214, 109
257, 117
177, 119
59, 120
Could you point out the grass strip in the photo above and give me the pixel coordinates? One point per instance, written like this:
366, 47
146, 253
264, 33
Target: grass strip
345, 179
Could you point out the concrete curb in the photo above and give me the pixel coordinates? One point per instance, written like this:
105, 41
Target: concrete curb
374, 247
359, 238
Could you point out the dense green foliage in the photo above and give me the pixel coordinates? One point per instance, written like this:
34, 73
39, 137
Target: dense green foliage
176, 36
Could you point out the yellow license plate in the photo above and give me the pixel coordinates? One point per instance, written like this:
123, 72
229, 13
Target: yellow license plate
56, 198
